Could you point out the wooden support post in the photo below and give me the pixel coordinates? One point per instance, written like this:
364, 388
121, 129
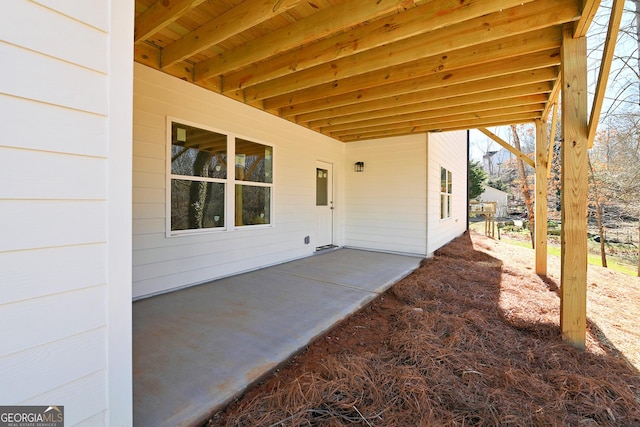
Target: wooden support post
573, 297
541, 198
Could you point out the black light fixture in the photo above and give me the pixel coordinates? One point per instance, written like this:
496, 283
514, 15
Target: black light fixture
358, 167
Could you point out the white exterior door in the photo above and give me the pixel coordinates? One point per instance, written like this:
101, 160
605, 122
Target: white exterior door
324, 204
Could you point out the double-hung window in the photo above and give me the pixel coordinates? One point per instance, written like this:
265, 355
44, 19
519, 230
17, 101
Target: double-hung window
446, 192
201, 179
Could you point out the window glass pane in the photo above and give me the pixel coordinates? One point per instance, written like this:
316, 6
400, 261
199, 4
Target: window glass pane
322, 187
196, 204
253, 205
443, 206
443, 180
254, 162
198, 152
449, 180
449, 206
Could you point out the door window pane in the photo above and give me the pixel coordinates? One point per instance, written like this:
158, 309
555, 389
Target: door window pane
322, 187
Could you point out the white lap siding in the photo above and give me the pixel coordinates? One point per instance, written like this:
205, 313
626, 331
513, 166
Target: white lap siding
447, 150
386, 203
64, 214
162, 263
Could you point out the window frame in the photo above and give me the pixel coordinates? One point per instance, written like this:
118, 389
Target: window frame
229, 182
446, 196
235, 182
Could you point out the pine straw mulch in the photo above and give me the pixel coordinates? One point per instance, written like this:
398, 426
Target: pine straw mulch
471, 338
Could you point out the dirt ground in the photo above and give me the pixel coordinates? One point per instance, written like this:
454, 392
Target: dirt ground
471, 338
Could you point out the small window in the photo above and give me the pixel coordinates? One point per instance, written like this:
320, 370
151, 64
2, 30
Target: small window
446, 192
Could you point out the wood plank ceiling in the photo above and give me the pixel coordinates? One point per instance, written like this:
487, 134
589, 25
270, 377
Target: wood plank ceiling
362, 69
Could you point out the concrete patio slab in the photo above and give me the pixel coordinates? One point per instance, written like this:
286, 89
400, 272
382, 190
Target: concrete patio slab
197, 348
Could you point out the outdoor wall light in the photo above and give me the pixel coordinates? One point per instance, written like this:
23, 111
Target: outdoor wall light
358, 167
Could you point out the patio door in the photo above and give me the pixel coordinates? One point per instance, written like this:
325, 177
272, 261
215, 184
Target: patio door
324, 204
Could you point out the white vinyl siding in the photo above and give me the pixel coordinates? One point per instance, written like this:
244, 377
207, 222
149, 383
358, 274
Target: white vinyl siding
160, 263
386, 203
447, 150
63, 259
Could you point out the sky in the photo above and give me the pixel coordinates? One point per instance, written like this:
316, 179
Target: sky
620, 78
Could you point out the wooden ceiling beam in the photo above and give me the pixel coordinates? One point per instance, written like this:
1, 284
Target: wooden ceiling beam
455, 43
605, 68
587, 13
541, 79
311, 101
319, 25
438, 127
242, 17
161, 14
436, 112
512, 94
476, 56
149, 55
534, 110
394, 28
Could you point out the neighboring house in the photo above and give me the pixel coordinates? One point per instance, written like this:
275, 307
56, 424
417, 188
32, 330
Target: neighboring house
492, 161
491, 194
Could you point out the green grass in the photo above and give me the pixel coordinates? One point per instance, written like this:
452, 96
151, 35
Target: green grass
592, 259
612, 264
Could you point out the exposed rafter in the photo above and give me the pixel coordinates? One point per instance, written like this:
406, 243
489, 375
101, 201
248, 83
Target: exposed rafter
446, 41
240, 18
589, 9
361, 69
392, 29
315, 99
160, 15
317, 26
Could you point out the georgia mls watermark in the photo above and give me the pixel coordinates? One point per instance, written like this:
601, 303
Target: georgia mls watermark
32, 416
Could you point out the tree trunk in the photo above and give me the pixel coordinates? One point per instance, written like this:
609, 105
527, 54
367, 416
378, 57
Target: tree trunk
637, 4
528, 200
603, 251
599, 212
198, 191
